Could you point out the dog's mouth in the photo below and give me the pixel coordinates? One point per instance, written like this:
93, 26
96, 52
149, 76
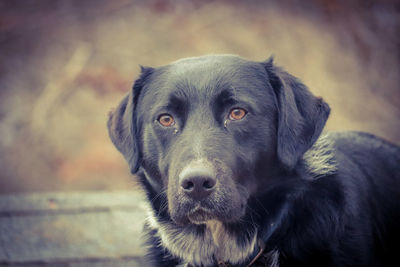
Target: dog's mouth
200, 215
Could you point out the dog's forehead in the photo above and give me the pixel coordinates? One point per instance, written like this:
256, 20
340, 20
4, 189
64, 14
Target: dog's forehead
210, 66
207, 75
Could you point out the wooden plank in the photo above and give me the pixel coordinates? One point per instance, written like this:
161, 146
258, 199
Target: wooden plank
100, 228
73, 200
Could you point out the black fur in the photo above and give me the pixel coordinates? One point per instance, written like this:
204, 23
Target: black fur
310, 200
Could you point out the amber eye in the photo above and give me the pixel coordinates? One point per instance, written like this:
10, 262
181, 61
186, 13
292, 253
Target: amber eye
237, 114
166, 120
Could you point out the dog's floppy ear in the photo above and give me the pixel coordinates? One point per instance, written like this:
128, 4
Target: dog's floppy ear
301, 115
122, 126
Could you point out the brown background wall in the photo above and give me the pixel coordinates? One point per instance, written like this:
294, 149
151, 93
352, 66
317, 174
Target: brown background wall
65, 64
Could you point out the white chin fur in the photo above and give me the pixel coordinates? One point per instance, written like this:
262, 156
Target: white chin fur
201, 250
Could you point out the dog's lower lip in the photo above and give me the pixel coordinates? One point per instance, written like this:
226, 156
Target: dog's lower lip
200, 215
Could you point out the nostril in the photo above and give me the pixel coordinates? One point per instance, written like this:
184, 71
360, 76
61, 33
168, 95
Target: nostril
187, 185
209, 183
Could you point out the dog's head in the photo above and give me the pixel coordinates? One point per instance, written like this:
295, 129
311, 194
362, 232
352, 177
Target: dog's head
210, 132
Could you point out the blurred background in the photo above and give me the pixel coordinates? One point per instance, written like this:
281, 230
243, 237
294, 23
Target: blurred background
65, 64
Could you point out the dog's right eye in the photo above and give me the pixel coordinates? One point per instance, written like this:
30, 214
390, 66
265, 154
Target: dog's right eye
166, 120
237, 114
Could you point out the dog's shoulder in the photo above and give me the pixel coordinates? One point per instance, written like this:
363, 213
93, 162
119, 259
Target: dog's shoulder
369, 152
350, 140
356, 159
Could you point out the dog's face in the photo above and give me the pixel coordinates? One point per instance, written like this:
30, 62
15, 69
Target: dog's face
210, 132
205, 126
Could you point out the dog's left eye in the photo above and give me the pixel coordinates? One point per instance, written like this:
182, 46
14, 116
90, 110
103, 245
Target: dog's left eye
166, 120
237, 114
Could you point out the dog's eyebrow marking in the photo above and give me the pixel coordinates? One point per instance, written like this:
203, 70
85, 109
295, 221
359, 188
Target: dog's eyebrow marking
225, 98
176, 102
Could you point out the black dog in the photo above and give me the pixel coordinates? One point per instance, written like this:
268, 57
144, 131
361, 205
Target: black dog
230, 154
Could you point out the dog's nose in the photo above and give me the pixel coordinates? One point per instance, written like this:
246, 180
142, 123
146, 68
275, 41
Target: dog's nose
197, 183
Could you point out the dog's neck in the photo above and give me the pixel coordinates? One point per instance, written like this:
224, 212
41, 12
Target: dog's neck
218, 233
